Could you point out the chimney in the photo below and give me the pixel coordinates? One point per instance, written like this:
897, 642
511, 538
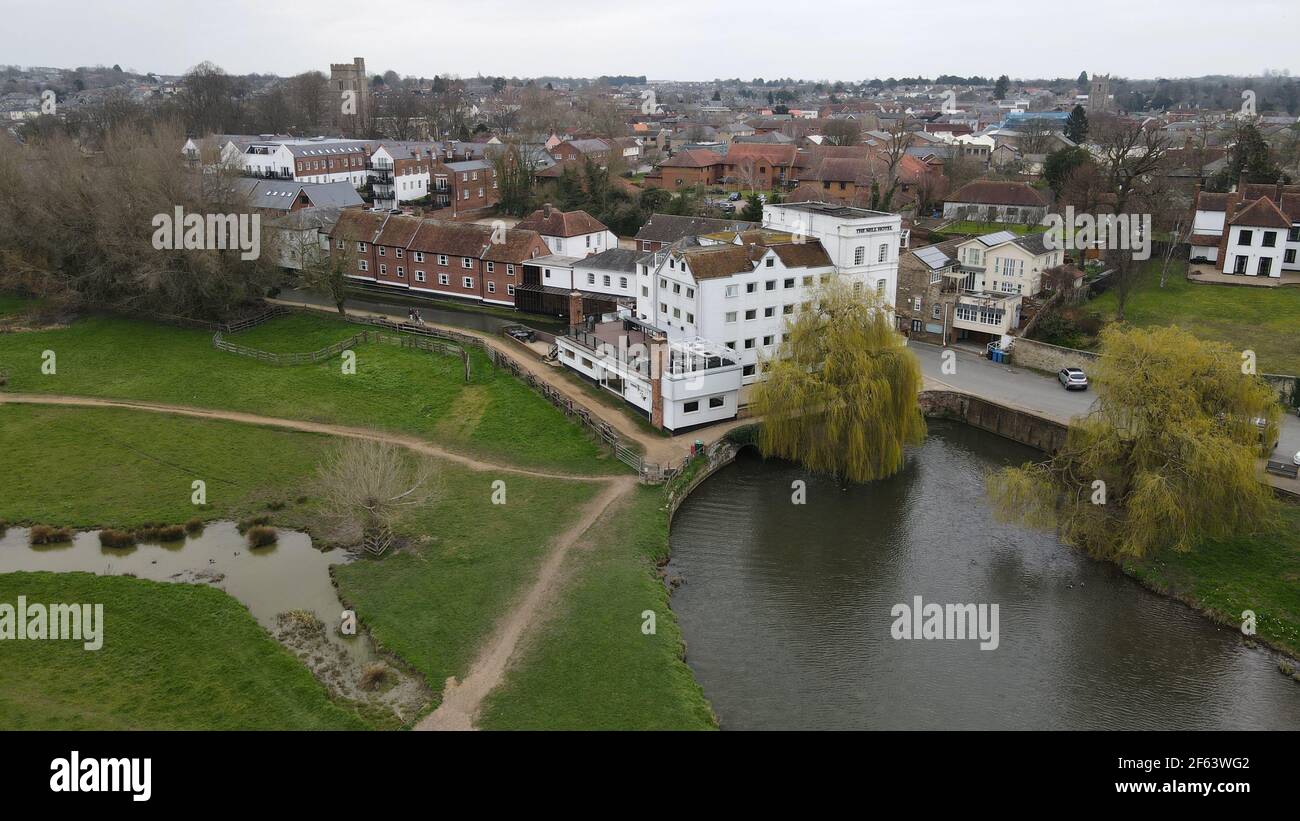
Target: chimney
1277, 192
575, 309
658, 362
546, 210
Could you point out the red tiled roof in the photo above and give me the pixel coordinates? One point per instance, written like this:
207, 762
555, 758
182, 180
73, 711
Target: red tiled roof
995, 192
1261, 213
553, 222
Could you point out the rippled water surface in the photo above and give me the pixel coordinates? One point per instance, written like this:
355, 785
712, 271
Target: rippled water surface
786, 612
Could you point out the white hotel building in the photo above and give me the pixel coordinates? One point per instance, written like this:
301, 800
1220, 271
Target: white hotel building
721, 302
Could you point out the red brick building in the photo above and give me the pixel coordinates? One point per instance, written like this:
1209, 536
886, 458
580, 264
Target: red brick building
436, 257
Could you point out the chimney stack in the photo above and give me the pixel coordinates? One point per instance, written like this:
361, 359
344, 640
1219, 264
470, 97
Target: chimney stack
575, 309
1277, 192
658, 362
546, 210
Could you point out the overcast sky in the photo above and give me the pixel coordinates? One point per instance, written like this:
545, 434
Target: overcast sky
663, 39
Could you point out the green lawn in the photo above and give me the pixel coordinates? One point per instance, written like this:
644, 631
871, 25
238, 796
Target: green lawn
174, 656
1265, 320
10, 305
591, 666
1259, 573
432, 604
435, 603
494, 416
85, 468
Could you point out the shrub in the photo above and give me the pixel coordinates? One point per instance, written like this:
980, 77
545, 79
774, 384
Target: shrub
253, 521
373, 676
44, 534
108, 537
171, 533
261, 536
194, 526
302, 620
276, 505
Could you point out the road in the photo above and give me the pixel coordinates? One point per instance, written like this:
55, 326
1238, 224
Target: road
1018, 387
1040, 393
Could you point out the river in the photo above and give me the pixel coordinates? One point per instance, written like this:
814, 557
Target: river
786, 611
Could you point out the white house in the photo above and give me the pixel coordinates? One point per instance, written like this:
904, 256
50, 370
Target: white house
570, 233
863, 245
1252, 231
1004, 263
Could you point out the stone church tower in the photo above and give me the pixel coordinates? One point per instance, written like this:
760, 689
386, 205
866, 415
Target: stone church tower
1099, 94
349, 93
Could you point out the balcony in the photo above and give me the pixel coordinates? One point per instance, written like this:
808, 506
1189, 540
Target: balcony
268, 173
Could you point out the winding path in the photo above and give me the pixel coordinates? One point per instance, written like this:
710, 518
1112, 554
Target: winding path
461, 700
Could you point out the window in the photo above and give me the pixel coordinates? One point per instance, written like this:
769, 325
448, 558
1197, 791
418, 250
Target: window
752, 313
717, 401
934, 312
383, 269
690, 407
769, 312
443, 279
787, 309
591, 278
690, 319
510, 270
789, 283
749, 343
770, 285
419, 276
397, 252
731, 316
442, 259
342, 244
401, 272
361, 247
677, 288
677, 313
466, 262
491, 287
490, 267
1270, 239
880, 287
690, 293
1245, 237
622, 282
468, 282
769, 262
419, 256
767, 340
751, 287
884, 252
604, 280
663, 309
363, 265
510, 289
860, 255
1265, 265
748, 370
732, 291
381, 249
807, 282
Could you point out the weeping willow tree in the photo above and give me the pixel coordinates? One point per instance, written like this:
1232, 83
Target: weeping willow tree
840, 394
1167, 457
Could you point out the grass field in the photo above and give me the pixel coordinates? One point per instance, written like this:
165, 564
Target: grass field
591, 666
494, 416
84, 468
10, 305
436, 602
174, 656
432, 603
1259, 573
1265, 320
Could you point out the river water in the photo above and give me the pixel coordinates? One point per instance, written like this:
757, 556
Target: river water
786, 611
288, 575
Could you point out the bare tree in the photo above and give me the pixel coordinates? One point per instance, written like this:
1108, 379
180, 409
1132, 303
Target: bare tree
1130, 152
843, 132
367, 485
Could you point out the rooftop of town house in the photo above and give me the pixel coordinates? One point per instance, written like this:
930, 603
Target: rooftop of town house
831, 210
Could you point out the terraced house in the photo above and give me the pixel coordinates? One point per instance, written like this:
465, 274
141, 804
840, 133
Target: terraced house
435, 257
